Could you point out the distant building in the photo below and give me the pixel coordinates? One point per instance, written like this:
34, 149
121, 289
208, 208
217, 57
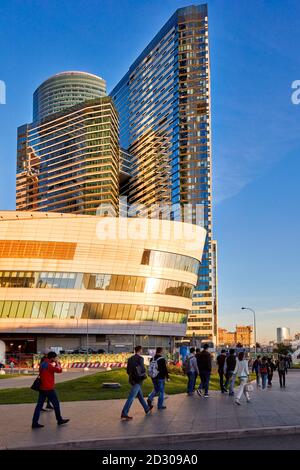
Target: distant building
283, 334
242, 334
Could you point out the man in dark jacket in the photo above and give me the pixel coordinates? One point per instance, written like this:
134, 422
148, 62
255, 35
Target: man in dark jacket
255, 368
137, 374
160, 368
48, 368
221, 362
204, 366
229, 367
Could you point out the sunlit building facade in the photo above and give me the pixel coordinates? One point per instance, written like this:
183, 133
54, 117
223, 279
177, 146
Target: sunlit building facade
163, 103
119, 281
65, 90
69, 161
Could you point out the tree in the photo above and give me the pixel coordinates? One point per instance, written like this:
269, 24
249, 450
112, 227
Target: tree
282, 349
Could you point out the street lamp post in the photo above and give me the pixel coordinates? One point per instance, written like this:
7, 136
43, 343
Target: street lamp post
87, 338
254, 322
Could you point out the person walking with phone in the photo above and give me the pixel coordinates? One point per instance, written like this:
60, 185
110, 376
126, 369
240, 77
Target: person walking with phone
137, 374
158, 372
242, 371
48, 368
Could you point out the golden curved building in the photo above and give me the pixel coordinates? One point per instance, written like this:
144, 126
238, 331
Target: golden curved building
117, 280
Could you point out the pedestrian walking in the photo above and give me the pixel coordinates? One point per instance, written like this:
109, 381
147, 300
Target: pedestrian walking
255, 368
198, 350
158, 372
190, 367
286, 363
221, 363
271, 365
48, 368
242, 371
204, 367
263, 369
229, 367
49, 407
137, 374
280, 366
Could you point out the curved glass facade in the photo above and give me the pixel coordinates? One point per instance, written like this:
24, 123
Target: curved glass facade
92, 311
108, 282
70, 162
65, 90
163, 259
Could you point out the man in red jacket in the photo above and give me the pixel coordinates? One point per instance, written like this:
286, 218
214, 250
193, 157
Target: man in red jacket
47, 370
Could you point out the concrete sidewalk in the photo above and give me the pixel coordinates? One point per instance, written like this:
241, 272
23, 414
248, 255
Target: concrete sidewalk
27, 380
96, 424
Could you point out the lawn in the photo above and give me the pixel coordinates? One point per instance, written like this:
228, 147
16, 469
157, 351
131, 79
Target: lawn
13, 376
89, 388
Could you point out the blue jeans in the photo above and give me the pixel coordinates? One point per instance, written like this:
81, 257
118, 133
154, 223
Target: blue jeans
159, 389
204, 384
135, 392
191, 382
264, 378
43, 395
230, 379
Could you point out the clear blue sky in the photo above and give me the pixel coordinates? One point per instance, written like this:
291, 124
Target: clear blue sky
256, 129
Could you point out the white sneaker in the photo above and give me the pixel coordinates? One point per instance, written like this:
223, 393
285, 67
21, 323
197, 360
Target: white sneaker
237, 402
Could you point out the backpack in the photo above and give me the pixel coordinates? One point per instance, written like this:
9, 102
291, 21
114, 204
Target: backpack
186, 366
281, 365
153, 368
263, 369
139, 373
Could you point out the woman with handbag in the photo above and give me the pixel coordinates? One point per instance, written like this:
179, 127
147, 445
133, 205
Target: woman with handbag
242, 371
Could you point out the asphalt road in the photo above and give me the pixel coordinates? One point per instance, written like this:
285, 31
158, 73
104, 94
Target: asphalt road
282, 442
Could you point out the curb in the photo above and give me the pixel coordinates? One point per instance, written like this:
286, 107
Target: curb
128, 442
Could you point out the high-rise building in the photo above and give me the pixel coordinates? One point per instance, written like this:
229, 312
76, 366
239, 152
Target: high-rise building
69, 161
163, 103
65, 90
283, 334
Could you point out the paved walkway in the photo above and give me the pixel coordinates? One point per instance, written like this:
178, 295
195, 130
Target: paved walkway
94, 422
27, 380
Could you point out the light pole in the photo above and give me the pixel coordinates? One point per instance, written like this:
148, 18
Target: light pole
254, 318
87, 338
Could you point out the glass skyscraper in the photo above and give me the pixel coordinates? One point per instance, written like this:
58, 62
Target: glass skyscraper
163, 103
64, 90
69, 161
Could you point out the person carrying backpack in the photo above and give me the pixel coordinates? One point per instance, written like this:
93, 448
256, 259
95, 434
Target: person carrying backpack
280, 366
190, 368
137, 374
159, 374
263, 370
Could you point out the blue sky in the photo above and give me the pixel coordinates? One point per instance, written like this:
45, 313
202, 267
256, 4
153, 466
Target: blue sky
256, 128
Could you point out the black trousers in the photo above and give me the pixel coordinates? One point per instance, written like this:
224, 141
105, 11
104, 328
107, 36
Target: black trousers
221, 375
281, 374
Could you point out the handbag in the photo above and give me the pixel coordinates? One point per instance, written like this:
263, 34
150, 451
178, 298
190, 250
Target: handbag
248, 388
36, 384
